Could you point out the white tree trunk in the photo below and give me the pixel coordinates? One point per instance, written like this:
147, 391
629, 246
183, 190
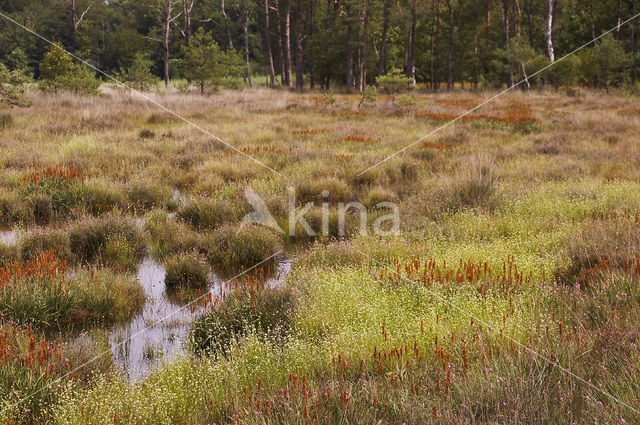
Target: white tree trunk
549, 32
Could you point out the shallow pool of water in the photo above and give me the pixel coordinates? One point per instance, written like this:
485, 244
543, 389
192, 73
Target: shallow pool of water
9, 237
158, 334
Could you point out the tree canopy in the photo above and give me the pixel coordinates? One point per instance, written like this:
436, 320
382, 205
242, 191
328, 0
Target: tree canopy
343, 44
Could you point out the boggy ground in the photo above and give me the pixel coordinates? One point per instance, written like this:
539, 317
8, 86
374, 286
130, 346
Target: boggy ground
518, 249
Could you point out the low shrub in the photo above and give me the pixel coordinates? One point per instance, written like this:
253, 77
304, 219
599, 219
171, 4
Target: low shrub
253, 244
161, 118
315, 220
185, 271
335, 254
112, 241
268, 312
401, 171
36, 365
59, 184
209, 214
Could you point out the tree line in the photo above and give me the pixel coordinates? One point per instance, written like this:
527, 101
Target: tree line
350, 44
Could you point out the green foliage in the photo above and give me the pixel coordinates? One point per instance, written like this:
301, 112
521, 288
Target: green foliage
186, 271
328, 97
604, 65
61, 192
99, 197
138, 75
12, 86
267, 312
18, 61
59, 72
394, 82
205, 63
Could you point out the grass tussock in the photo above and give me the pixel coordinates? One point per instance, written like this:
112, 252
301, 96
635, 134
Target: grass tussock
186, 271
205, 214
38, 292
476, 186
261, 310
170, 236
608, 244
8, 254
229, 249
31, 363
112, 241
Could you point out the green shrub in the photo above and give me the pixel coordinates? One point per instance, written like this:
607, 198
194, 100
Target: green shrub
186, 271
46, 377
59, 72
209, 214
405, 101
269, 313
394, 82
335, 254
43, 240
59, 184
139, 75
253, 244
112, 241
314, 218
401, 171
162, 118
